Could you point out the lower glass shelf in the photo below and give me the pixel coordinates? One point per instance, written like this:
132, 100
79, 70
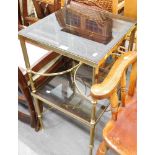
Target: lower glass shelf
61, 93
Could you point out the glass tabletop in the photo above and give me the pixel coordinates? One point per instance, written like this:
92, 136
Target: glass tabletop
82, 34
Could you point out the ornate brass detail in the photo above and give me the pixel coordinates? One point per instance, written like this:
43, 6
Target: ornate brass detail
74, 80
55, 74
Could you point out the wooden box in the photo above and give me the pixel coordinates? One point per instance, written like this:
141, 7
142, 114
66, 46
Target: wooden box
89, 24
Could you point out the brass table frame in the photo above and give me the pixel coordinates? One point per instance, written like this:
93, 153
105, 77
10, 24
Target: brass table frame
93, 121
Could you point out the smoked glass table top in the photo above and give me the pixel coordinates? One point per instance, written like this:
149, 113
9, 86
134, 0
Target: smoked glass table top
84, 35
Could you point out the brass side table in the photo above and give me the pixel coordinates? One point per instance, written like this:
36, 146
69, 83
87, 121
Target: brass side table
65, 33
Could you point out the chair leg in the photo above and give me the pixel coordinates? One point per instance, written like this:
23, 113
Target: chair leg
102, 148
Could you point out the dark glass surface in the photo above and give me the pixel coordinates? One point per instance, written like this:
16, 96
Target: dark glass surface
61, 92
81, 34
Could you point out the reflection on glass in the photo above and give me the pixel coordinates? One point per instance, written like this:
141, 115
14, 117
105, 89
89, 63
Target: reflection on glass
62, 92
96, 27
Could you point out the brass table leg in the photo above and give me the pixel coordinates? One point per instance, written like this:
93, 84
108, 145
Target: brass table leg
72, 77
93, 113
95, 75
27, 64
92, 129
39, 115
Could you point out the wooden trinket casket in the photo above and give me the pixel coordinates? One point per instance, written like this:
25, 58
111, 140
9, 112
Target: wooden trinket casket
89, 24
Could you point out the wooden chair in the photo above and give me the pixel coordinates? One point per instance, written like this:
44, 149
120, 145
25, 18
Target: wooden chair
130, 9
24, 96
117, 6
46, 7
42, 8
113, 6
23, 17
120, 132
26, 99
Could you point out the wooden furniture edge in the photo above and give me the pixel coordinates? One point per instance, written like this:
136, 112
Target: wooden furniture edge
107, 87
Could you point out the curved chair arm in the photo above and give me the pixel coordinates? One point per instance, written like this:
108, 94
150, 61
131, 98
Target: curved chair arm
110, 83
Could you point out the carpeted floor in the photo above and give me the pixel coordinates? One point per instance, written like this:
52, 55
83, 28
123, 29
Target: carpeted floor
61, 136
